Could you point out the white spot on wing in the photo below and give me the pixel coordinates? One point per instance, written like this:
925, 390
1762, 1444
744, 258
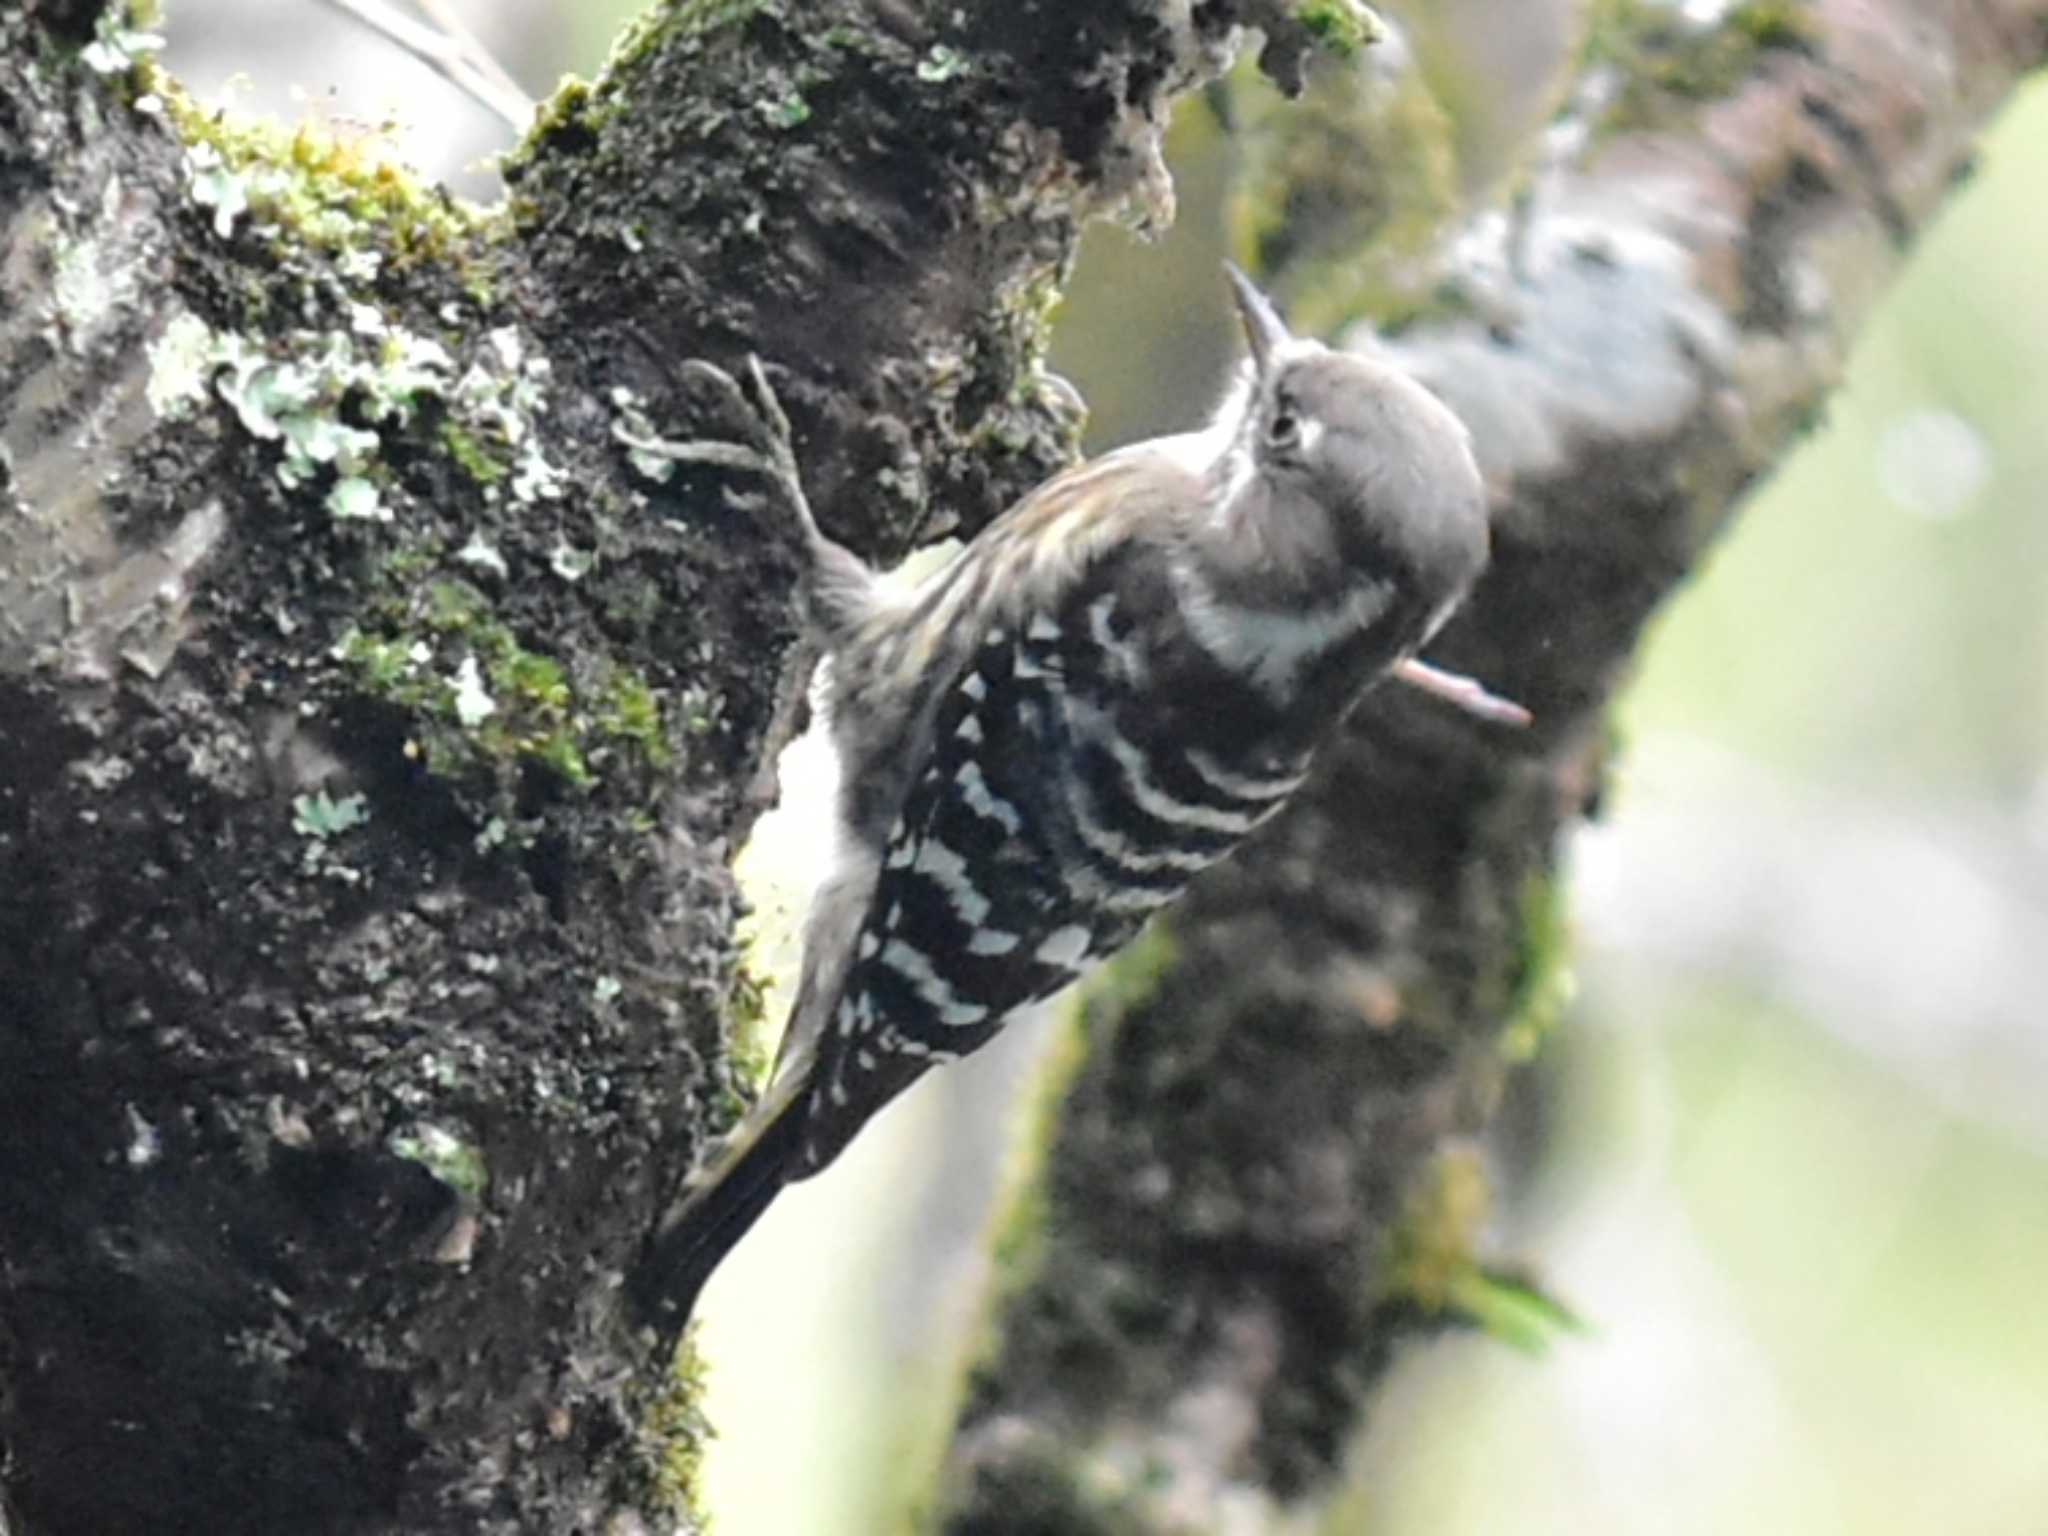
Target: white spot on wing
992, 941
930, 986
974, 789
949, 872
892, 1041
1065, 947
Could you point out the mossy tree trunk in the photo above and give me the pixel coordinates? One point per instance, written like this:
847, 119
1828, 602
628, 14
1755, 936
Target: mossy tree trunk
374, 733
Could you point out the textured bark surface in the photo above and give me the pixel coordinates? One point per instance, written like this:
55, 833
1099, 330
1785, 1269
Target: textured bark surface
1262, 1182
373, 738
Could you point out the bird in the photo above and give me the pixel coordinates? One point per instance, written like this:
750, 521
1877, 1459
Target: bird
1107, 690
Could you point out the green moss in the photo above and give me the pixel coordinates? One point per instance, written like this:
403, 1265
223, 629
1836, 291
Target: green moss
1432, 1244
1665, 62
587, 107
1511, 1307
1777, 23
342, 409
657, 24
336, 192
1126, 983
482, 701
1341, 27
1545, 981
629, 711
673, 1433
467, 450
750, 1048
574, 106
1432, 1261
457, 1163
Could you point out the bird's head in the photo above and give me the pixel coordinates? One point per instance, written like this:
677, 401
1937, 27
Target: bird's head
1362, 454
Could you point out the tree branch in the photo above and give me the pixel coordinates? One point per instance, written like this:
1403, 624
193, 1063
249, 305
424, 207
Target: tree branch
1260, 1183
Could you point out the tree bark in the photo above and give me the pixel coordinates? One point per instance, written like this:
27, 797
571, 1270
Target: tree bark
1262, 1180
375, 733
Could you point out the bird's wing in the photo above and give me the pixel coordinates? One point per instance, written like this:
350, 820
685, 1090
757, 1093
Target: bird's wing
975, 909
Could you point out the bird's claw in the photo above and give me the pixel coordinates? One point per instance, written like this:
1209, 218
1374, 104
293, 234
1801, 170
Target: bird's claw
765, 444
764, 425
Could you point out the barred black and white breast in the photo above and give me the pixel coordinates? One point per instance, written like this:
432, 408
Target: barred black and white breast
1054, 806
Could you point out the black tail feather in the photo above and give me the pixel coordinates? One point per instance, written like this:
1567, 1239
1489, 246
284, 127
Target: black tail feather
719, 1210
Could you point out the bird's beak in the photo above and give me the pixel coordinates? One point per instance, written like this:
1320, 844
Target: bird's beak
1263, 327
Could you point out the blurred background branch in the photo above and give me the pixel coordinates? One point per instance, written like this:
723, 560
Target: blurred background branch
1262, 1180
443, 42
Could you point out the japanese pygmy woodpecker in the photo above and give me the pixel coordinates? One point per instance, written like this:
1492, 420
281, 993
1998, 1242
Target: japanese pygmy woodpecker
1104, 693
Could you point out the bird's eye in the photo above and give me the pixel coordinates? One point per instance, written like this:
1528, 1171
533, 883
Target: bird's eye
1285, 429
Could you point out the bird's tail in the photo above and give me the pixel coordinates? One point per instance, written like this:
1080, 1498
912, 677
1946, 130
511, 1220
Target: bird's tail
719, 1206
